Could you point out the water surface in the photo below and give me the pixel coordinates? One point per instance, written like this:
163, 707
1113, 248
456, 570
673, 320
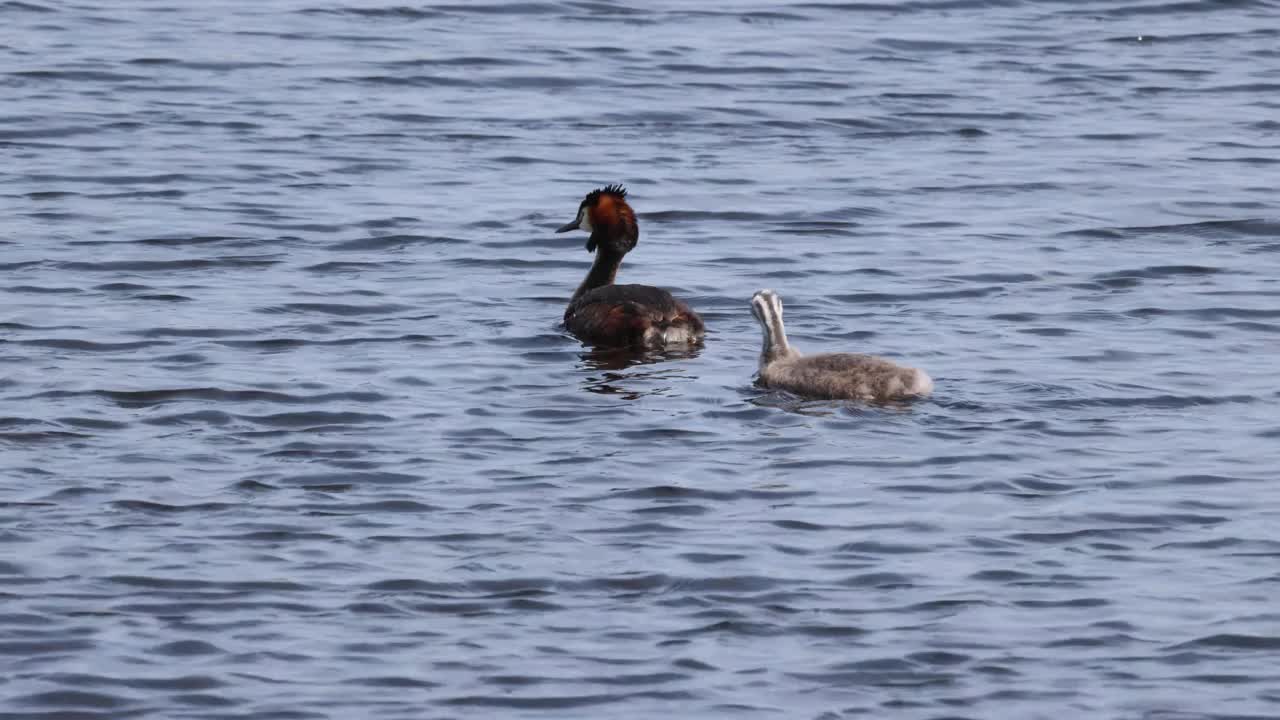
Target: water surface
288, 427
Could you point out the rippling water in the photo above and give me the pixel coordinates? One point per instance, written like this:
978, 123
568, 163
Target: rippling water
288, 427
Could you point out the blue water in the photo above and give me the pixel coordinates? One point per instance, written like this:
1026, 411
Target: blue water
289, 428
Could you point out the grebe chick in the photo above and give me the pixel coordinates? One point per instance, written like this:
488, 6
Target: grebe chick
602, 313
830, 376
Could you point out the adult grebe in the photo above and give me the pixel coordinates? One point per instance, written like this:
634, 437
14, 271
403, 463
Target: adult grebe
832, 376
602, 313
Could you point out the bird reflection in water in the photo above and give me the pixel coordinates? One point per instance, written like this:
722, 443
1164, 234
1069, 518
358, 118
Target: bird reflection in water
611, 362
788, 402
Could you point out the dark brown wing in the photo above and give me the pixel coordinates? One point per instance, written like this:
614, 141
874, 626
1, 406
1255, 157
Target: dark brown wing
629, 315
608, 324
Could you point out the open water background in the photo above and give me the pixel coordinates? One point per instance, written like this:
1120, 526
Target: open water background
288, 428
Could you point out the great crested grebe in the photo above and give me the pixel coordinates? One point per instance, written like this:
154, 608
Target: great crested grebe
831, 376
606, 314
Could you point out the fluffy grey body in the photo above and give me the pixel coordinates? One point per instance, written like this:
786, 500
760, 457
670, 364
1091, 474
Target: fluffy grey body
832, 376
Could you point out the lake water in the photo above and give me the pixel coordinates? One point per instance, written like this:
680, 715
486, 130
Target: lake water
289, 428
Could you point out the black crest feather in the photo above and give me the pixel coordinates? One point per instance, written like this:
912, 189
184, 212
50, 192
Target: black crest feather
616, 190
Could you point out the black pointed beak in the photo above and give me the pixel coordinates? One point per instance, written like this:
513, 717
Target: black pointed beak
571, 226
